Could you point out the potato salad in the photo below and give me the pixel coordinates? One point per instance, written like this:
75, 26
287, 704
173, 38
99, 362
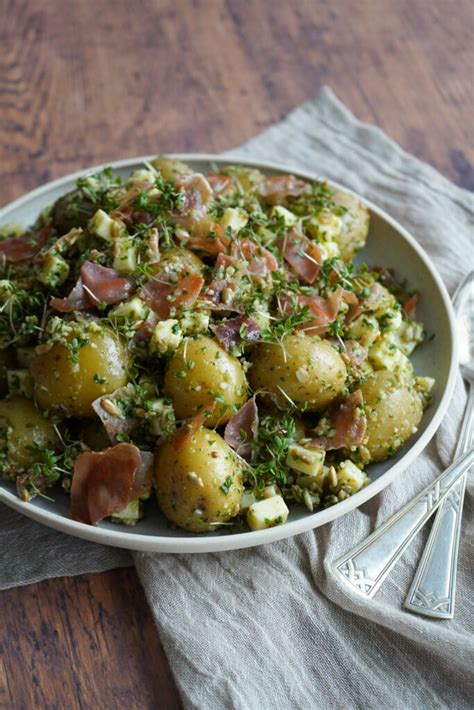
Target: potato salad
205, 339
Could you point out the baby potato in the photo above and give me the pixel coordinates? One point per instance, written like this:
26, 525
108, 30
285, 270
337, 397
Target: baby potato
170, 168
200, 484
394, 410
26, 428
72, 210
70, 382
309, 371
201, 371
355, 225
178, 260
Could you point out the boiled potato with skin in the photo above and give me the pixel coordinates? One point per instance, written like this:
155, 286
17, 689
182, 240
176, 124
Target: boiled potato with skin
201, 372
171, 169
26, 428
309, 371
70, 384
178, 261
394, 410
355, 225
200, 484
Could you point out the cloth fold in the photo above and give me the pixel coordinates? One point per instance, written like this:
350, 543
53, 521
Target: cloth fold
271, 626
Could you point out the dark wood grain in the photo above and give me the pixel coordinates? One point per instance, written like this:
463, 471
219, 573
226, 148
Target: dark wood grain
92, 81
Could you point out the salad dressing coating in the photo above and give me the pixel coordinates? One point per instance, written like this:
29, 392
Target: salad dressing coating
203, 338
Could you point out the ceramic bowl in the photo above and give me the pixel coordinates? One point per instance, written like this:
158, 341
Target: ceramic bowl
389, 245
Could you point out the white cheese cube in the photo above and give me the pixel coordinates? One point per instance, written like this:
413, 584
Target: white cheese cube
194, 322
53, 271
325, 225
247, 499
271, 491
125, 255
408, 336
267, 513
386, 355
289, 219
390, 320
167, 335
329, 250
233, 219
365, 329
305, 460
128, 515
134, 309
103, 226
425, 384
141, 177
348, 474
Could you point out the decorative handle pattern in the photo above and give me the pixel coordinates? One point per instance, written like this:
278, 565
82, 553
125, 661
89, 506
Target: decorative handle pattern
368, 564
433, 590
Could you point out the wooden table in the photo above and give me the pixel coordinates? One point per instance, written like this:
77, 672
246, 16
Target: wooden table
92, 81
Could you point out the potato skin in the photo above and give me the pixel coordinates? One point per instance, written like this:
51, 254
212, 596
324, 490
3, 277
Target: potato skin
170, 168
355, 225
69, 387
393, 409
190, 480
26, 428
179, 261
214, 372
309, 370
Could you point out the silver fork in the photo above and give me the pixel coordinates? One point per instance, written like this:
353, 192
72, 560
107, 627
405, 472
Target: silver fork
433, 590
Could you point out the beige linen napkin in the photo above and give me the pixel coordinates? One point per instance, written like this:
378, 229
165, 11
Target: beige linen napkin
272, 627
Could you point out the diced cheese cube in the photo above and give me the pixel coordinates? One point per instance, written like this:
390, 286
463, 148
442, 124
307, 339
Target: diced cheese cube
194, 322
247, 499
408, 336
233, 219
125, 255
305, 460
289, 219
53, 271
103, 226
129, 515
386, 355
348, 474
166, 336
425, 384
365, 329
161, 417
267, 513
271, 491
134, 309
326, 225
329, 250
20, 382
390, 320
141, 177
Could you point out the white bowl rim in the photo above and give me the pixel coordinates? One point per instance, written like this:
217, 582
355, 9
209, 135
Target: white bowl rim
201, 543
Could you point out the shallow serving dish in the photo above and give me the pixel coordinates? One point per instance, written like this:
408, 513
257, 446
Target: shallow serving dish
388, 244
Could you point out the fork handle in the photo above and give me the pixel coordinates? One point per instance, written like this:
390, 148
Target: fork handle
368, 564
433, 590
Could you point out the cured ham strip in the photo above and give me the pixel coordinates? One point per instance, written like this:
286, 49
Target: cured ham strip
18, 249
409, 307
231, 333
211, 245
349, 423
104, 285
220, 184
186, 431
96, 284
102, 482
241, 429
197, 194
303, 255
78, 300
276, 188
143, 478
162, 295
259, 260
322, 311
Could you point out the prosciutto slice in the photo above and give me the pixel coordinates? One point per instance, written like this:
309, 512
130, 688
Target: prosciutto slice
18, 249
276, 188
303, 255
259, 260
197, 194
96, 284
186, 431
212, 245
242, 428
322, 311
102, 482
349, 423
163, 295
220, 184
234, 331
